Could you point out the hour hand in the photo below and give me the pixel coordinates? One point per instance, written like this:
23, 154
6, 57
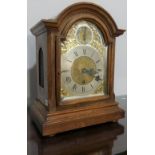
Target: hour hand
90, 72
97, 78
84, 35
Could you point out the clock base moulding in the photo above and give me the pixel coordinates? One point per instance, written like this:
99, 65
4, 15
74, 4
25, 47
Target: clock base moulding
51, 123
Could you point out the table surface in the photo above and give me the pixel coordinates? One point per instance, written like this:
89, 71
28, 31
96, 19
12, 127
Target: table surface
105, 139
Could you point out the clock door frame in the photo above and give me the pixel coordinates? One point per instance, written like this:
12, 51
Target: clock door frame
105, 23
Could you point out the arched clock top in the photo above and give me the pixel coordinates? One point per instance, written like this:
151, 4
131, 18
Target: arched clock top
80, 11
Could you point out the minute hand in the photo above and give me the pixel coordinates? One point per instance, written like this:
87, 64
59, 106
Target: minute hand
90, 72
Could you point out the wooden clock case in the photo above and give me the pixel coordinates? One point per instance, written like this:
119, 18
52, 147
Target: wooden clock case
50, 114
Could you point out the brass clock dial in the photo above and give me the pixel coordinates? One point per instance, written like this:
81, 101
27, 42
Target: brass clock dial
83, 70
83, 62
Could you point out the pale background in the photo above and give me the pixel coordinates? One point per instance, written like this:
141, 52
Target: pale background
141, 75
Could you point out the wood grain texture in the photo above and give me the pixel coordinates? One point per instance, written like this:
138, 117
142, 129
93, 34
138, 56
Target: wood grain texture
60, 115
69, 119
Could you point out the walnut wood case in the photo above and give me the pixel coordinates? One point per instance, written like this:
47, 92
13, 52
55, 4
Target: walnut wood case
49, 113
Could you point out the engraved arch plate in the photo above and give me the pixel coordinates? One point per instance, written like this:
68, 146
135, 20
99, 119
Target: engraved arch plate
83, 62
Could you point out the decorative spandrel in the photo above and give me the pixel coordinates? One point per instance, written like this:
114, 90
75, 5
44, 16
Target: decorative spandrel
83, 62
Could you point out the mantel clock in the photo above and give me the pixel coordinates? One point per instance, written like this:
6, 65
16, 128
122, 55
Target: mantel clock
75, 70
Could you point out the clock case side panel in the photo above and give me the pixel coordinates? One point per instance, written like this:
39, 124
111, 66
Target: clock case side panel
41, 43
45, 103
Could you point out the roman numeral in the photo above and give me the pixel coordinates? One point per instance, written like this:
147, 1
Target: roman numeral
76, 54
69, 60
84, 51
99, 70
64, 71
74, 87
97, 61
83, 89
91, 85
68, 79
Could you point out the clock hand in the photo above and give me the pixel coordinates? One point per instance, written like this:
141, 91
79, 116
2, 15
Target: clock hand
97, 78
90, 71
84, 35
84, 70
93, 73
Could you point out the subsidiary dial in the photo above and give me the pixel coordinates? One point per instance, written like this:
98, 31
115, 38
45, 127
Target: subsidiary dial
84, 35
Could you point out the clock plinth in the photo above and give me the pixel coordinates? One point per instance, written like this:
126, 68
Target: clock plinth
60, 121
75, 70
